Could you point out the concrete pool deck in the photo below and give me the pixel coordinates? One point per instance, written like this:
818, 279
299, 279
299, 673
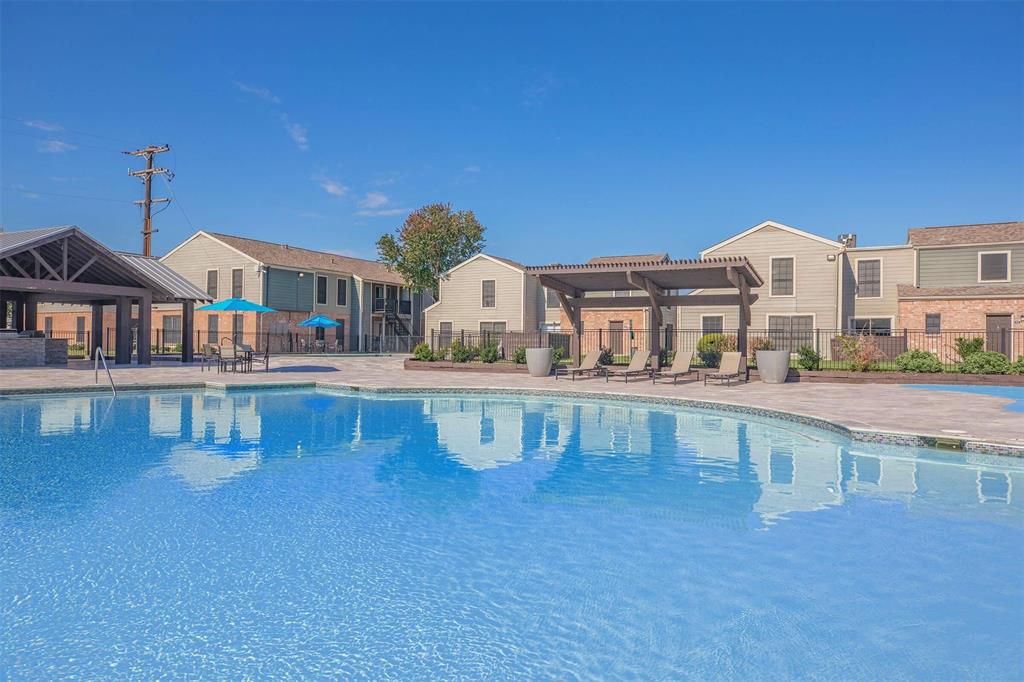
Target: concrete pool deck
884, 412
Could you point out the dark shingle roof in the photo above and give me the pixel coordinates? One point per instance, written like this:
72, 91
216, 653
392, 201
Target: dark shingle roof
955, 235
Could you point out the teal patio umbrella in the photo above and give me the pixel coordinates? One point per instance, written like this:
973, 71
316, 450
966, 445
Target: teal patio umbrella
239, 305
318, 321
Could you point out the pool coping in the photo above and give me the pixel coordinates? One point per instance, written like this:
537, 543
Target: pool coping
943, 441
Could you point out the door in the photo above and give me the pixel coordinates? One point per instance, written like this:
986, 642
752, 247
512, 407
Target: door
997, 334
616, 340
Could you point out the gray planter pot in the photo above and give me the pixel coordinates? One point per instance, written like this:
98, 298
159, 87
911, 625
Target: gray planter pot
538, 361
773, 366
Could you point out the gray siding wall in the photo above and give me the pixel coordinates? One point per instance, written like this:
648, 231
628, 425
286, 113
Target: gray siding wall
460, 297
201, 254
958, 266
816, 285
897, 268
287, 290
533, 304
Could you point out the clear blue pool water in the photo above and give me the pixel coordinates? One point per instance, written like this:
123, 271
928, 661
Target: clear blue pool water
1014, 393
295, 535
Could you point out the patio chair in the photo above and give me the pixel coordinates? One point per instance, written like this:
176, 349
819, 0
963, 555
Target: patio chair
680, 367
638, 365
229, 355
589, 366
209, 354
731, 366
251, 358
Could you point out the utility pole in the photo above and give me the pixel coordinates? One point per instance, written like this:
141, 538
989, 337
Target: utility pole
147, 180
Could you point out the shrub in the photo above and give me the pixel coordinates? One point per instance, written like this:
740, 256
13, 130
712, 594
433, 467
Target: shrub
711, 346
489, 353
986, 362
519, 357
920, 361
606, 357
1018, 366
808, 358
861, 351
968, 347
422, 352
462, 353
557, 355
762, 343
666, 357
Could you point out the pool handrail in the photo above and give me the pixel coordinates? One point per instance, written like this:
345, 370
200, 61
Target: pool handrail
99, 356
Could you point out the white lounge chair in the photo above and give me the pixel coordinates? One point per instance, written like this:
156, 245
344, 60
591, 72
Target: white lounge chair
638, 365
589, 366
731, 366
680, 367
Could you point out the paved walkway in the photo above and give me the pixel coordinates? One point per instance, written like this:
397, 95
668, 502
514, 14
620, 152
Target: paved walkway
871, 407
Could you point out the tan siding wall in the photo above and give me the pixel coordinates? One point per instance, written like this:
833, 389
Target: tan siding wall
533, 302
958, 266
897, 268
461, 297
202, 253
816, 285
551, 315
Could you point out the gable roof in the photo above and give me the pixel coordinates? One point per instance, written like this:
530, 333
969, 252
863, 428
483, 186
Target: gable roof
497, 259
771, 223
956, 235
164, 275
283, 255
639, 258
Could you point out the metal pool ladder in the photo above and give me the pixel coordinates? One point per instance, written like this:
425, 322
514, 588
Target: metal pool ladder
98, 357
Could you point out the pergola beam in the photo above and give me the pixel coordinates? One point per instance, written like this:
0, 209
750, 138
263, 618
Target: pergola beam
665, 301
83, 268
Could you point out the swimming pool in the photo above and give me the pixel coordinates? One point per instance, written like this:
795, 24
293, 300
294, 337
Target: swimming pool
1014, 393
284, 534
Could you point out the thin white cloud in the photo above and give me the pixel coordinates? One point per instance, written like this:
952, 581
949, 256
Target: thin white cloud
56, 146
472, 168
298, 132
383, 182
329, 184
258, 91
24, 192
536, 93
373, 200
43, 125
382, 212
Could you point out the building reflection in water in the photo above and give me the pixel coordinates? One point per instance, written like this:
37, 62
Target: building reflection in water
698, 466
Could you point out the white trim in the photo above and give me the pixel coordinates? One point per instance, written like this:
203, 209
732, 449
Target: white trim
435, 303
881, 278
480, 322
770, 223
241, 270
891, 318
813, 316
488, 307
210, 236
703, 315
771, 262
327, 289
1009, 266
481, 255
858, 249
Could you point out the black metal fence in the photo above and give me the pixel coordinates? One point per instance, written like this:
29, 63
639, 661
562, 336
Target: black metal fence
836, 349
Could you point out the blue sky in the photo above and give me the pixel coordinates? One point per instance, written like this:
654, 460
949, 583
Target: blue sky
572, 130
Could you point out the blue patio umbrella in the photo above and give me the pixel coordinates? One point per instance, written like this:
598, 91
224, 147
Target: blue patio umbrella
238, 305
319, 321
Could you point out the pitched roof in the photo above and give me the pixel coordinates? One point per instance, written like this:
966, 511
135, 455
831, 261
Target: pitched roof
296, 257
176, 285
979, 291
17, 241
776, 225
954, 235
639, 258
506, 261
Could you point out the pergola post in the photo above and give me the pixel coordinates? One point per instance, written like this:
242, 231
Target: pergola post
145, 329
31, 315
96, 337
3, 311
123, 331
741, 284
187, 330
653, 301
19, 315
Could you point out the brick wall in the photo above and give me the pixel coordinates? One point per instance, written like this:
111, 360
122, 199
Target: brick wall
967, 315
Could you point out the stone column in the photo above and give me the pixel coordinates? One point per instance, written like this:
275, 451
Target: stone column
31, 315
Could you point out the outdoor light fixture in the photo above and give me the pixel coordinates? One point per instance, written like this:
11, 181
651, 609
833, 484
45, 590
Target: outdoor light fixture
831, 258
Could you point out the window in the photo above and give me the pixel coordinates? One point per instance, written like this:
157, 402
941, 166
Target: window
444, 334
875, 326
492, 327
172, 330
342, 292
321, 290
80, 329
212, 329
487, 293
669, 337
552, 299
789, 332
712, 324
551, 327
782, 277
621, 293
211, 284
236, 283
378, 297
932, 323
994, 266
869, 278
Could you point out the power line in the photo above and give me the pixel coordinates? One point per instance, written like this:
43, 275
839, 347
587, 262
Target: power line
69, 130
176, 201
47, 138
25, 190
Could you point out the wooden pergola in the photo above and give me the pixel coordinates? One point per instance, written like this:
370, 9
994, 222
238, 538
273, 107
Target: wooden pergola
656, 279
65, 265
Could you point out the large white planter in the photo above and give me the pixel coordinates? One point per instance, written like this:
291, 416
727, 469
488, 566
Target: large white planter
538, 361
773, 366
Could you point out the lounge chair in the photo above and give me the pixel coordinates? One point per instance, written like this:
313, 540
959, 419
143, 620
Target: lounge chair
638, 365
589, 366
680, 367
731, 366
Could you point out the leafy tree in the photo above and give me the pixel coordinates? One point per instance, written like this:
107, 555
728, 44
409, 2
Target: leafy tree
432, 240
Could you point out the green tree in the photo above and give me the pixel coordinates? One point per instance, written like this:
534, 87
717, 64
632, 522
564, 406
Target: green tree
431, 241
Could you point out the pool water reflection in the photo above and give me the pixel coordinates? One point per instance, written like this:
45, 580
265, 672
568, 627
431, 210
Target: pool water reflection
296, 534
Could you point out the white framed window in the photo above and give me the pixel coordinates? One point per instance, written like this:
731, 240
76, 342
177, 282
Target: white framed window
236, 283
712, 324
874, 326
211, 284
789, 332
869, 277
444, 333
493, 327
552, 327
321, 290
783, 276
342, 292
487, 296
993, 266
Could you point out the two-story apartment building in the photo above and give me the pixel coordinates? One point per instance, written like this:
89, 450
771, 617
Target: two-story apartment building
365, 297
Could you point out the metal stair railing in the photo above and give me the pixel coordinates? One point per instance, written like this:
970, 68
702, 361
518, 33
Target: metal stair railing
99, 356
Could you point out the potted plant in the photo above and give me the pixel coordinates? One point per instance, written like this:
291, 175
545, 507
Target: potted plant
538, 361
772, 365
